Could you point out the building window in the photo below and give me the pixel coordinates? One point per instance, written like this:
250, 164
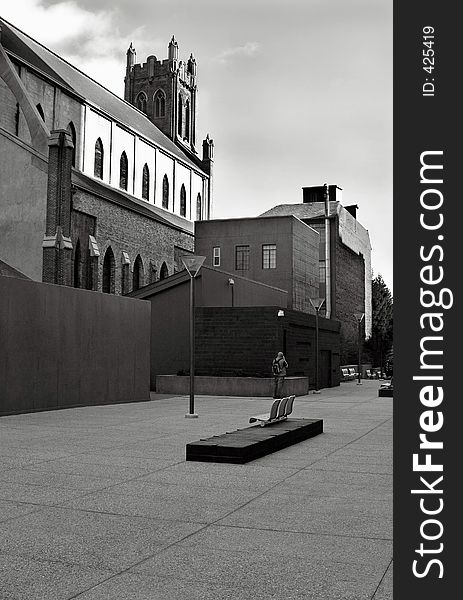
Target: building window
164, 271
198, 208
269, 256
138, 274
123, 171
216, 256
183, 201
109, 270
159, 104
98, 166
180, 115
242, 258
165, 192
141, 101
145, 184
187, 120
72, 131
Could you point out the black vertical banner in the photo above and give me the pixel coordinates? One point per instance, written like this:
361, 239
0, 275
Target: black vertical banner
428, 362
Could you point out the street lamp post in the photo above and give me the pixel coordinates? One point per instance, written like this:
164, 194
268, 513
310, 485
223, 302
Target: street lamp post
359, 317
192, 264
317, 303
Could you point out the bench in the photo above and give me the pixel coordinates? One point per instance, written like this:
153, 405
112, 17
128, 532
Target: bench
279, 411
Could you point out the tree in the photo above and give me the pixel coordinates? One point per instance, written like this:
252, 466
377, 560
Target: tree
382, 327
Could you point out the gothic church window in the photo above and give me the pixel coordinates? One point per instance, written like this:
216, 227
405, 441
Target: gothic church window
198, 207
180, 115
141, 101
145, 184
72, 131
159, 104
187, 120
109, 271
123, 171
183, 201
164, 271
165, 192
138, 274
98, 165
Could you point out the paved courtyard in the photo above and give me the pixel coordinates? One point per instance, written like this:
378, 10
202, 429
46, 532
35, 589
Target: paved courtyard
98, 503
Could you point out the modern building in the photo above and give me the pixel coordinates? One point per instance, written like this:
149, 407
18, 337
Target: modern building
96, 191
281, 252
344, 260
240, 326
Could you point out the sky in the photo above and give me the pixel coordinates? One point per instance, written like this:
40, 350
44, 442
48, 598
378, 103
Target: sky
293, 92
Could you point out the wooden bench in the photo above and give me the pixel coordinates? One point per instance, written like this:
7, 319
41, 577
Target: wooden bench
279, 411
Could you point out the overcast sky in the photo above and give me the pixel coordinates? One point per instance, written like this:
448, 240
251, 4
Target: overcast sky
293, 92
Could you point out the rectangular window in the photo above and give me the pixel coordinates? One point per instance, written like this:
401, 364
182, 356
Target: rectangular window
216, 256
242, 258
269, 256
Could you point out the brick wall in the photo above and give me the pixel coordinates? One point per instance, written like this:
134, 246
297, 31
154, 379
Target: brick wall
127, 231
244, 341
350, 298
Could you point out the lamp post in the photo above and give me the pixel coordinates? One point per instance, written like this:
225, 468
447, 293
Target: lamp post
359, 317
231, 283
317, 303
192, 264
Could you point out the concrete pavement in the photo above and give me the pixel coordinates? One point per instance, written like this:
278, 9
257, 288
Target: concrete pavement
98, 503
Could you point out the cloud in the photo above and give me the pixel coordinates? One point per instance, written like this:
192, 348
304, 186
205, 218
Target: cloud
94, 41
249, 49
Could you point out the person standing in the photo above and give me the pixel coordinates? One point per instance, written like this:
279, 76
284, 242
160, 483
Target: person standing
279, 366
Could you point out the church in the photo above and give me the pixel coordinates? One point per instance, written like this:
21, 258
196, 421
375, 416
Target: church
96, 191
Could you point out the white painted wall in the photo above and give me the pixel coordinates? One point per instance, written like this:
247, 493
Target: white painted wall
122, 141
96, 126
164, 166
145, 154
182, 177
197, 188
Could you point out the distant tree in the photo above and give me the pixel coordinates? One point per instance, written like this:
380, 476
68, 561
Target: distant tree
380, 343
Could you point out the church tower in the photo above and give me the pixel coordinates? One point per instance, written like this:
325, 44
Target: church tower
165, 90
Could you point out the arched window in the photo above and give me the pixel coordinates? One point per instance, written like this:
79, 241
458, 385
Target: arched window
72, 131
141, 101
159, 104
123, 171
180, 115
164, 271
40, 111
182, 201
187, 120
109, 271
165, 192
138, 275
99, 154
145, 183
198, 208
77, 266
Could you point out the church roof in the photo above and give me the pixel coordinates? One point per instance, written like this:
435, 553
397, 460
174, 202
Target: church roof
307, 210
77, 83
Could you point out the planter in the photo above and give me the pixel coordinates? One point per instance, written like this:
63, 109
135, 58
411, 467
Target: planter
230, 386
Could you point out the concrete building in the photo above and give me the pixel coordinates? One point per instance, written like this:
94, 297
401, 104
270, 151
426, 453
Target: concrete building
95, 191
344, 260
281, 252
240, 326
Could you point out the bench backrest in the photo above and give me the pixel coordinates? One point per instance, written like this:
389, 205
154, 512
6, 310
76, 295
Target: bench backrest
289, 405
282, 407
274, 409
